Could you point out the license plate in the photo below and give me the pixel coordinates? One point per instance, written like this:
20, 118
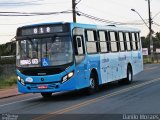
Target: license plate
42, 87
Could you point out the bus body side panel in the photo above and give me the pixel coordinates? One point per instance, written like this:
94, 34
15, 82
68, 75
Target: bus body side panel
116, 71
105, 70
83, 70
93, 63
123, 61
137, 62
82, 74
112, 66
140, 61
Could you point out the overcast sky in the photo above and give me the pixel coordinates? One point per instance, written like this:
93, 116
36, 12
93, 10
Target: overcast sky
113, 10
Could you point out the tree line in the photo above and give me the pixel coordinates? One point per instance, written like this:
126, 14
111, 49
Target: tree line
8, 53
8, 49
156, 41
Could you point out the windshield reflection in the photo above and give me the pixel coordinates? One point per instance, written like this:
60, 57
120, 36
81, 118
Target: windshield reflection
44, 52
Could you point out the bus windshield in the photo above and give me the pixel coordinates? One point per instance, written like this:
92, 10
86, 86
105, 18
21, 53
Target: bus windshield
44, 52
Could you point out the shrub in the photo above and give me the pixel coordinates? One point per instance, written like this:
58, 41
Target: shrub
6, 81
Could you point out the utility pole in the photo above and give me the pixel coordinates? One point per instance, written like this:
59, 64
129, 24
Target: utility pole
150, 30
74, 10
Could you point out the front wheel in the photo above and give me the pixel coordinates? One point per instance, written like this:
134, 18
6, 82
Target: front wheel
46, 95
93, 85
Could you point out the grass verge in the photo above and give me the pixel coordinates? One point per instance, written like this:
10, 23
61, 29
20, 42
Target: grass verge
7, 81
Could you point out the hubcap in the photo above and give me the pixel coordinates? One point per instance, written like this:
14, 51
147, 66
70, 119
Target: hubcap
92, 84
130, 76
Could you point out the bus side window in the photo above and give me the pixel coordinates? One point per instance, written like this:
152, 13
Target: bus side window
128, 41
117, 41
103, 42
138, 41
113, 41
91, 38
121, 39
125, 43
134, 42
108, 41
78, 43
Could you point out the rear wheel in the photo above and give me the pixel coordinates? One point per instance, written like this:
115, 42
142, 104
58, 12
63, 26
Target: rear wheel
46, 95
129, 77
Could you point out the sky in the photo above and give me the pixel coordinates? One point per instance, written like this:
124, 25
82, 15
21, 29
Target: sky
113, 10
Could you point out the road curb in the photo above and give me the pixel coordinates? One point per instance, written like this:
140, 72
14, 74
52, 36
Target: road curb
3, 97
11, 92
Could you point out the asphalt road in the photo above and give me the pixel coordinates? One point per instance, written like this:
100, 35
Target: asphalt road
139, 100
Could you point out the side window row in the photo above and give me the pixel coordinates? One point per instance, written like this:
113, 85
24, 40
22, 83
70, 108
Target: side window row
111, 41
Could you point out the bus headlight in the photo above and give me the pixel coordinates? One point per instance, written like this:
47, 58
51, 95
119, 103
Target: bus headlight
18, 78
21, 80
68, 76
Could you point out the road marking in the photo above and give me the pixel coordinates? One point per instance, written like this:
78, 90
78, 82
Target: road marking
71, 108
19, 101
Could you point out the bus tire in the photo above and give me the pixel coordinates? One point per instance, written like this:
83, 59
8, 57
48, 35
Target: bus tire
46, 94
93, 84
129, 77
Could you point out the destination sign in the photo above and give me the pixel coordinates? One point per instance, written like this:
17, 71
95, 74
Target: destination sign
39, 30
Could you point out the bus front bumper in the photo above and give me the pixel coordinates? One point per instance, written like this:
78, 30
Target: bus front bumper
50, 87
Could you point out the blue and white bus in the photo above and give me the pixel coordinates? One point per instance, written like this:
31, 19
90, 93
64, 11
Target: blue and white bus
55, 57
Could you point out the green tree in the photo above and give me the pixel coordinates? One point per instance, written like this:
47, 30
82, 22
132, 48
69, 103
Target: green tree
156, 41
8, 49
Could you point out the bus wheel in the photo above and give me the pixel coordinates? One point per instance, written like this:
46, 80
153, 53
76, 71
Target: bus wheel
93, 84
46, 95
129, 77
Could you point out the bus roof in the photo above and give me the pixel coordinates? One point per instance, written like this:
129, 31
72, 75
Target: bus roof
105, 27
88, 26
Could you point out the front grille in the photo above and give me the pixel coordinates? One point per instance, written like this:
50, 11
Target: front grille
40, 71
